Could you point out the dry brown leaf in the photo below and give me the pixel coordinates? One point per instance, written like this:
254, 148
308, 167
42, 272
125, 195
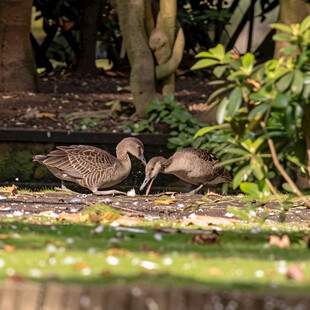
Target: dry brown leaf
128, 221
117, 252
45, 115
295, 272
12, 189
16, 278
109, 217
74, 218
7, 97
4, 236
283, 242
205, 239
205, 221
9, 248
164, 201
213, 194
80, 265
214, 271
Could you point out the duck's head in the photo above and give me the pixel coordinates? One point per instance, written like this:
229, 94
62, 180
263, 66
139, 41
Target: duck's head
133, 146
152, 169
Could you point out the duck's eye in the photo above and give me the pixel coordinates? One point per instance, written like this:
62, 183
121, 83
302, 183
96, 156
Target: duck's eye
152, 169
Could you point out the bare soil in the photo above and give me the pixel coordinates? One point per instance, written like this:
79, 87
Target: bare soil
61, 97
152, 207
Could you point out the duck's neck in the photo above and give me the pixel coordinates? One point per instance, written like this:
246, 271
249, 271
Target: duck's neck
123, 157
163, 168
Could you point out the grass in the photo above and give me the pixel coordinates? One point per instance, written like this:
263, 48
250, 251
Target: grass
86, 254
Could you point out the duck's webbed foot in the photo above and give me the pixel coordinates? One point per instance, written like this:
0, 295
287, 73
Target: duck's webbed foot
196, 190
63, 187
109, 192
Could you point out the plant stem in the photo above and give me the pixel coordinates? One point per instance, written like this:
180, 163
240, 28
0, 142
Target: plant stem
280, 168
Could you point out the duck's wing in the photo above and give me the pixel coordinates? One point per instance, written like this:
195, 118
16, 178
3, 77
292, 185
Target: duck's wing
204, 155
80, 160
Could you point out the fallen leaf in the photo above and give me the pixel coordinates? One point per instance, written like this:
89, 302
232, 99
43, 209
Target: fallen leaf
128, 221
74, 218
283, 242
80, 265
9, 248
12, 189
117, 252
295, 272
4, 236
214, 271
45, 115
16, 278
109, 217
213, 194
205, 239
164, 201
6, 97
205, 221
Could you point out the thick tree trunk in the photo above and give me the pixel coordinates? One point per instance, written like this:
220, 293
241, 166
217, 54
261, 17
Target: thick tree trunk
17, 65
91, 12
291, 12
131, 15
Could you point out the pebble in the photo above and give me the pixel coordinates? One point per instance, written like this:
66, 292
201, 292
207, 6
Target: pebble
76, 200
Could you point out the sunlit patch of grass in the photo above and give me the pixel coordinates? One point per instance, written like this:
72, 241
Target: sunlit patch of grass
95, 254
42, 191
100, 209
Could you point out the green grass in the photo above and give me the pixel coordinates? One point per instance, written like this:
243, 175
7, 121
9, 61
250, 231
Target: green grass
73, 253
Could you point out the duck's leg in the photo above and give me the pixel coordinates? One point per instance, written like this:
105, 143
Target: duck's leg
196, 190
109, 192
63, 187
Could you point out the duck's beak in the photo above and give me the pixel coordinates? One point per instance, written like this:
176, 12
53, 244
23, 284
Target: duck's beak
147, 180
142, 158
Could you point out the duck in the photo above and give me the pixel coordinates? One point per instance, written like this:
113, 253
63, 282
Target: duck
92, 167
196, 166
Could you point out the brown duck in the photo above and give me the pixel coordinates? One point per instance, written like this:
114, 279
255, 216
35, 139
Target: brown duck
195, 166
92, 167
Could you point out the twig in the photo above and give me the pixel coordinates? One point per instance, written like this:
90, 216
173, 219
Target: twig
280, 168
272, 188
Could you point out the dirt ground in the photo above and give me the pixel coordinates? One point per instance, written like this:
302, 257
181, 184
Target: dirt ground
61, 98
162, 206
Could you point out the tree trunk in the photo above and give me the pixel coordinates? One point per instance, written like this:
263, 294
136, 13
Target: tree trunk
91, 13
131, 15
306, 129
291, 12
17, 65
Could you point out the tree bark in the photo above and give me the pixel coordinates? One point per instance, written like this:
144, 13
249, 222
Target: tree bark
91, 13
131, 15
291, 12
17, 65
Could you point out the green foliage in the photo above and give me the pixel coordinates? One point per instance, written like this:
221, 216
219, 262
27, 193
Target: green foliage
170, 113
275, 92
87, 123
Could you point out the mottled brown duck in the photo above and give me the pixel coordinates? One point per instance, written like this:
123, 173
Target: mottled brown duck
195, 166
92, 167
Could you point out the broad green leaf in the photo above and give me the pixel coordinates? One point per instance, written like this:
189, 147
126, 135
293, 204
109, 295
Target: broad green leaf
235, 160
257, 143
236, 151
257, 169
258, 110
250, 189
247, 144
219, 51
217, 82
282, 37
295, 160
305, 24
298, 81
285, 81
289, 120
218, 93
287, 187
248, 61
206, 55
221, 110
281, 101
289, 49
261, 95
235, 100
219, 71
241, 175
236, 75
205, 130
204, 63
281, 27
306, 91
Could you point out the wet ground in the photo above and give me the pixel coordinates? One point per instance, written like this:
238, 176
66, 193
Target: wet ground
165, 206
